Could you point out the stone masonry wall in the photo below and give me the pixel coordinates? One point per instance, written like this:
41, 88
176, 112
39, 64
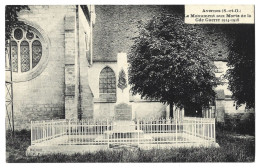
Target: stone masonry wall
71, 66
42, 97
86, 95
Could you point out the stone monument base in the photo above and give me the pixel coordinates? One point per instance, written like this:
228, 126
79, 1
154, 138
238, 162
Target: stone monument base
124, 131
122, 126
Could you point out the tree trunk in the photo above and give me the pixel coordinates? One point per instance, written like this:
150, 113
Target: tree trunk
171, 110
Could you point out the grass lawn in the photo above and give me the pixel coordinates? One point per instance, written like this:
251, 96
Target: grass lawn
233, 148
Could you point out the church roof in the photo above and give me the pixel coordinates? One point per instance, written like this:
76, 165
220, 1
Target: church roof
117, 25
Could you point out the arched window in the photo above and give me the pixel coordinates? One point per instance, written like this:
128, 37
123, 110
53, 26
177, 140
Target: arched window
107, 85
25, 56
14, 52
36, 52
26, 50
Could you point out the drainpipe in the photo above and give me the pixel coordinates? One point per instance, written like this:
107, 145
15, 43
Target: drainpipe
92, 19
77, 60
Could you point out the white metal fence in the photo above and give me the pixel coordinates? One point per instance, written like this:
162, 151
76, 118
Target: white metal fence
209, 112
46, 130
113, 133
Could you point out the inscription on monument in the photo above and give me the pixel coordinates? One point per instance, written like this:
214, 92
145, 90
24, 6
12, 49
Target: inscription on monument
123, 111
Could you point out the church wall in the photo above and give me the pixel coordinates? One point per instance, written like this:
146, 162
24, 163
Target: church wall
148, 110
221, 71
140, 110
225, 105
42, 98
230, 108
86, 95
104, 110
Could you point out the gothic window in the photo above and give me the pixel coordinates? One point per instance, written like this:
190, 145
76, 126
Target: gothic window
18, 34
26, 50
107, 84
25, 56
36, 52
14, 52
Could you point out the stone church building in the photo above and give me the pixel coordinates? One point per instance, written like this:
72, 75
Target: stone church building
66, 63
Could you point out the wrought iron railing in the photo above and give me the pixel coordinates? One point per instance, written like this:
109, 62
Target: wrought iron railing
111, 132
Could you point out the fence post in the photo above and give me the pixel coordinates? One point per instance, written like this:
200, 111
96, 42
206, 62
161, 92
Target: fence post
87, 130
176, 129
36, 134
208, 130
183, 131
211, 131
63, 128
108, 134
47, 131
195, 133
203, 131
76, 132
52, 129
69, 131
214, 130
43, 130
31, 132
138, 129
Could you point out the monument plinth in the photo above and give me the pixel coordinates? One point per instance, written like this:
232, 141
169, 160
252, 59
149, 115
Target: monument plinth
123, 111
123, 118
123, 130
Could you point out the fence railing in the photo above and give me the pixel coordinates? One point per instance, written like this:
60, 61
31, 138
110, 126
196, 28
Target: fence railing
110, 132
209, 112
47, 130
200, 127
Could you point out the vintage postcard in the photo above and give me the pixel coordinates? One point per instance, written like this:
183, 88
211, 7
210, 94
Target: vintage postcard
129, 83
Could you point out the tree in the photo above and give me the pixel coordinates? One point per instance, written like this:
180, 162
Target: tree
11, 18
170, 62
241, 63
122, 80
11, 21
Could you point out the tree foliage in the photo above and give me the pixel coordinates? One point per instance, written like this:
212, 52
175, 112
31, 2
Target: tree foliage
11, 21
241, 61
11, 18
170, 62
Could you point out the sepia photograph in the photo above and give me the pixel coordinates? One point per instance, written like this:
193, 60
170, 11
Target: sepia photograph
129, 83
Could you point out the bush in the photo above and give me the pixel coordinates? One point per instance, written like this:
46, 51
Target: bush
240, 123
